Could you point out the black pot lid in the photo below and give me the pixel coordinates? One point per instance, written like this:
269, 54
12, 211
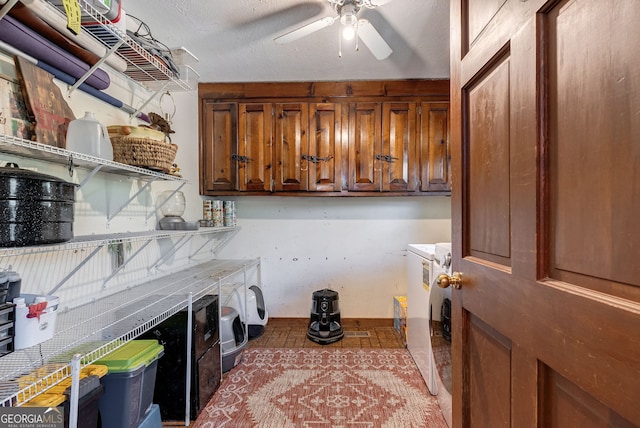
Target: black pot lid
12, 170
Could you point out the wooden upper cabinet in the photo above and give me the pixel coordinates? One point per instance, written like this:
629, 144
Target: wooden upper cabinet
307, 145
291, 143
382, 147
217, 145
398, 156
434, 155
254, 147
365, 143
338, 138
324, 159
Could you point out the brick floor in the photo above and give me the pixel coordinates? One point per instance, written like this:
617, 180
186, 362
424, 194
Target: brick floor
292, 333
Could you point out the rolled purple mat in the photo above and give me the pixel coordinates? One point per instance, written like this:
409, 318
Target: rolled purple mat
61, 75
23, 38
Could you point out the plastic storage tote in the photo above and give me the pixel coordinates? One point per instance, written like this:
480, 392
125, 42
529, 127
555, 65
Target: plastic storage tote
90, 391
153, 419
129, 384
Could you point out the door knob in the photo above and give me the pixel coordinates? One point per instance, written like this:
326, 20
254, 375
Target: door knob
455, 280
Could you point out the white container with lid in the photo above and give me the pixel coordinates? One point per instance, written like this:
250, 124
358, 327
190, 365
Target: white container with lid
32, 329
88, 136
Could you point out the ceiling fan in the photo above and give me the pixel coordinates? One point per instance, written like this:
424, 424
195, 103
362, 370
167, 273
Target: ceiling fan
352, 27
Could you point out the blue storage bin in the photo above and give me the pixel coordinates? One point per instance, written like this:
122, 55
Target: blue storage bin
152, 420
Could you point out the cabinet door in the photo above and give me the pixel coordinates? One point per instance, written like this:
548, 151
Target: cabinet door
365, 142
435, 171
219, 142
291, 143
325, 147
398, 156
254, 147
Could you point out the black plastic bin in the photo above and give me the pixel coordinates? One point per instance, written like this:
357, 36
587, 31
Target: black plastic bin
90, 391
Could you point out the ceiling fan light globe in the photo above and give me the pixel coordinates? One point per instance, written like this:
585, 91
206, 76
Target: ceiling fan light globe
349, 32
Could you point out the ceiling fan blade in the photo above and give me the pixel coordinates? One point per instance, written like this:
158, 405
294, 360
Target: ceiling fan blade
376, 3
373, 40
305, 30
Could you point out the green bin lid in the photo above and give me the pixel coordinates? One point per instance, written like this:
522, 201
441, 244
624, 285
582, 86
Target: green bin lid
132, 355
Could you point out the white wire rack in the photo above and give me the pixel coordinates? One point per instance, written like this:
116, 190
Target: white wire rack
94, 330
20, 147
223, 234
142, 65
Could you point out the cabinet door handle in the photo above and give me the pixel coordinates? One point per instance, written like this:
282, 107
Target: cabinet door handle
316, 159
386, 158
243, 159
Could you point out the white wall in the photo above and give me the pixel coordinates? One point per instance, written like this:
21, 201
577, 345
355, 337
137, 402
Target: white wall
355, 246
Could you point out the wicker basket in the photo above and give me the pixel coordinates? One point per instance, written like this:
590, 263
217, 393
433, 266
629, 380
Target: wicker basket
144, 153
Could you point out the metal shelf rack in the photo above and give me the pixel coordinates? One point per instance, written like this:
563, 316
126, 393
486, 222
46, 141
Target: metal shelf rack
89, 241
142, 66
220, 236
96, 329
31, 149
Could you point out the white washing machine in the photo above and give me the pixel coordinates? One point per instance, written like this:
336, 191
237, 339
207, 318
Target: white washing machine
441, 264
441, 358
420, 271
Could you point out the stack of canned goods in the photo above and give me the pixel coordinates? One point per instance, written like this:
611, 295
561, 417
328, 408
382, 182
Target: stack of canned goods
216, 213
230, 213
207, 214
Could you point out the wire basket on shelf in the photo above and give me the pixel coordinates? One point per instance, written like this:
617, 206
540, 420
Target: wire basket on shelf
144, 152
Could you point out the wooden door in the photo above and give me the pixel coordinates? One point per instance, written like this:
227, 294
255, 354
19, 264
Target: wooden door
219, 141
365, 142
398, 156
324, 161
254, 152
291, 143
433, 149
545, 206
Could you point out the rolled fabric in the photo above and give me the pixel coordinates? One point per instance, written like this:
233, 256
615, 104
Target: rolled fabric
23, 38
27, 17
58, 20
64, 77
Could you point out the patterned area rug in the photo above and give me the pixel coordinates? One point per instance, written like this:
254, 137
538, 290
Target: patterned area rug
323, 388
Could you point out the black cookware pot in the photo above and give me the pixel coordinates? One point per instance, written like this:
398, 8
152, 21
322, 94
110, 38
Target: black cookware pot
35, 208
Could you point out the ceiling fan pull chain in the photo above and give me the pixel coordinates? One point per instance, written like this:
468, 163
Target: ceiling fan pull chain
339, 44
357, 24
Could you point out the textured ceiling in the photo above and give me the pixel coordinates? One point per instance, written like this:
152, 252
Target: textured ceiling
233, 39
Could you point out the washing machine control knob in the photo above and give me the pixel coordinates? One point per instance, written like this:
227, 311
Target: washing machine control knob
455, 280
447, 261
